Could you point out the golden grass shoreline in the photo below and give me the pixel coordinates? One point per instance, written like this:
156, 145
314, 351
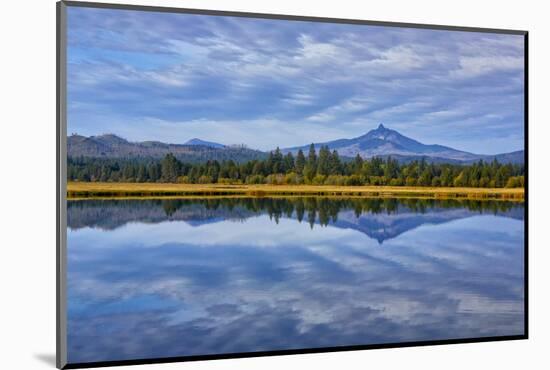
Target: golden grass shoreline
85, 190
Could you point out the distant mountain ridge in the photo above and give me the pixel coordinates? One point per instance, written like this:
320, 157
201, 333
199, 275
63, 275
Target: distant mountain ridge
195, 150
385, 142
380, 142
209, 144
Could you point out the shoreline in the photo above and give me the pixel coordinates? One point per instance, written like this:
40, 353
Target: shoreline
104, 190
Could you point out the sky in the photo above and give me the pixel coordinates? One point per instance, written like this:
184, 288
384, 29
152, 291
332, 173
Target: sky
268, 83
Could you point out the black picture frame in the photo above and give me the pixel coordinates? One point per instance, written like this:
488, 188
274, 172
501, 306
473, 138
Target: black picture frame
61, 186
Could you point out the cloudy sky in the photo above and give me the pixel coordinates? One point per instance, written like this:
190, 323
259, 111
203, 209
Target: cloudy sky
268, 83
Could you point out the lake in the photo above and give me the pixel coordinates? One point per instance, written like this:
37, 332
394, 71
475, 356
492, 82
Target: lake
181, 277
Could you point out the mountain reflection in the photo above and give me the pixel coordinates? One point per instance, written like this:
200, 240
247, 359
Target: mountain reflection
148, 279
380, 219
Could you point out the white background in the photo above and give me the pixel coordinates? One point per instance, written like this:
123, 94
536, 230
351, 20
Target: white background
27, 217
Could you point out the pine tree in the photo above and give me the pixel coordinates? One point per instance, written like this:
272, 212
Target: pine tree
300, 162
310, 168
289, 165
357, 164
278, 165
142, 173
153, 172
258, 168
335, 167
323, 161
312, 156
391, 169
169, 168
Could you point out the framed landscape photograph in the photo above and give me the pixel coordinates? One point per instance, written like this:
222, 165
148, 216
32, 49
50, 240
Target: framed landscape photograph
236, 184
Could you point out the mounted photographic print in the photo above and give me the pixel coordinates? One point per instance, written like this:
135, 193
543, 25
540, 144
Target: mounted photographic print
235, 184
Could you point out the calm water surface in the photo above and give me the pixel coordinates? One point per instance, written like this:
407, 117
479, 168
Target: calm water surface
160, 278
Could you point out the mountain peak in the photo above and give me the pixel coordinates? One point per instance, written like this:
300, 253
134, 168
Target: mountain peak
197, 141
383, 142
381, 132
110, 138
110, 135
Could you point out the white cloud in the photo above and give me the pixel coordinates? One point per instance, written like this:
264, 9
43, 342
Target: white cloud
88, 75
314, 54
300, 99
478, 65
338, 111
307, 82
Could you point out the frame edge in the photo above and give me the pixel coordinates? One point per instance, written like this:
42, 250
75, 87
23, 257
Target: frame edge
288, 17
526, 161
61, 169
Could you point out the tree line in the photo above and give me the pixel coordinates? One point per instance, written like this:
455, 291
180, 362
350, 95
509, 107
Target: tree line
324, 167
327, 208
314, 209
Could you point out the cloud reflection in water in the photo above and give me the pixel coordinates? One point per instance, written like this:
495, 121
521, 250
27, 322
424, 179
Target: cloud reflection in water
175, 287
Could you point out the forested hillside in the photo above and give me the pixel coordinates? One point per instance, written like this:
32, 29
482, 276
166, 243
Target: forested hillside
319, 168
